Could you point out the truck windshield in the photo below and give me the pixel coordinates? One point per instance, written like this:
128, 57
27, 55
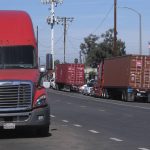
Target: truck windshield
16, 57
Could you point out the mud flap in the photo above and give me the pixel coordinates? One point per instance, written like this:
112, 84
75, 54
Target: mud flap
130, 95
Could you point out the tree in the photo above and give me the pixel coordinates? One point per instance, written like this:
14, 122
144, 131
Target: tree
95, 50
89, 44
107, 44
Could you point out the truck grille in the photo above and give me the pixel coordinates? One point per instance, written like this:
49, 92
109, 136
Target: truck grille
15, 95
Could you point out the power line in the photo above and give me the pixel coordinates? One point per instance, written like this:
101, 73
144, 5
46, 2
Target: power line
101, 23
59, 39
43, 45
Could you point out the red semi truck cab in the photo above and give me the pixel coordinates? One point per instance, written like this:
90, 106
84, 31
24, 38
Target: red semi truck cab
23, 99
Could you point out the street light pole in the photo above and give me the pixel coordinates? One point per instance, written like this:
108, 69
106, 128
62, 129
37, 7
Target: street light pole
140, 27
140, 30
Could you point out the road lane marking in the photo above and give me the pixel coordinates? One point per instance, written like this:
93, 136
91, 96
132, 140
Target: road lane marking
69, 103
77, 125
57, 100
66, 121
116, 139
52, 116
93, 131
83, 106
64, 125
101, 110
143, 149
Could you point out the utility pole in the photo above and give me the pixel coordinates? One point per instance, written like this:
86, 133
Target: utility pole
51, 20
65, 31
115, 28
64, 21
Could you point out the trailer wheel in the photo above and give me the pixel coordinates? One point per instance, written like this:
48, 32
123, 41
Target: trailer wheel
148, 99
127, 97
58, 87
124, 96
105, 94
131, 97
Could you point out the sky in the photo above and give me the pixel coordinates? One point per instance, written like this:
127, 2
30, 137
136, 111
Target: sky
90, 17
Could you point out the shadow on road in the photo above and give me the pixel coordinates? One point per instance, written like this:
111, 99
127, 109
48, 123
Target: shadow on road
14, 134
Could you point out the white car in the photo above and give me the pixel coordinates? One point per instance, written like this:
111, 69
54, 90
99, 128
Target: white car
81, 88
52, 83
88, 89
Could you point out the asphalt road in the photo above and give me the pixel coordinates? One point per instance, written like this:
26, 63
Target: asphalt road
100, 124
85, 123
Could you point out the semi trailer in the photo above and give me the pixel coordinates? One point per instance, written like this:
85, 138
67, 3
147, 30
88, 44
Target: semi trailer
125, 77
69, 76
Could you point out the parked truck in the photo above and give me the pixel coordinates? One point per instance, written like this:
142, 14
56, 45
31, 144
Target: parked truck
69, 76
126, 78
23, 99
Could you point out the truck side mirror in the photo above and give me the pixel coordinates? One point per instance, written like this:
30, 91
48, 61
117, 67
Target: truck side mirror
43, 78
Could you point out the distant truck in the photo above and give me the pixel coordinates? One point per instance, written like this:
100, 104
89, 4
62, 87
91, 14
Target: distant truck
69, 76
23, 99
126, 78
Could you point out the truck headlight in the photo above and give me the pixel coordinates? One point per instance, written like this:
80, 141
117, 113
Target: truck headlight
41, 102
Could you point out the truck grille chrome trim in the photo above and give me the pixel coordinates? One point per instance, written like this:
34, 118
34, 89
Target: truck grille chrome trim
15, 95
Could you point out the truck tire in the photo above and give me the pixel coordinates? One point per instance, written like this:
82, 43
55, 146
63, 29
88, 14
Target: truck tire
131, 97
58, 87
124, 96
148, 98
127, 97
105, 94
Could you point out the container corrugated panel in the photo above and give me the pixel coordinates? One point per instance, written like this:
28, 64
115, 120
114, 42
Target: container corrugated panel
140, 72
127, 71
70, 74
